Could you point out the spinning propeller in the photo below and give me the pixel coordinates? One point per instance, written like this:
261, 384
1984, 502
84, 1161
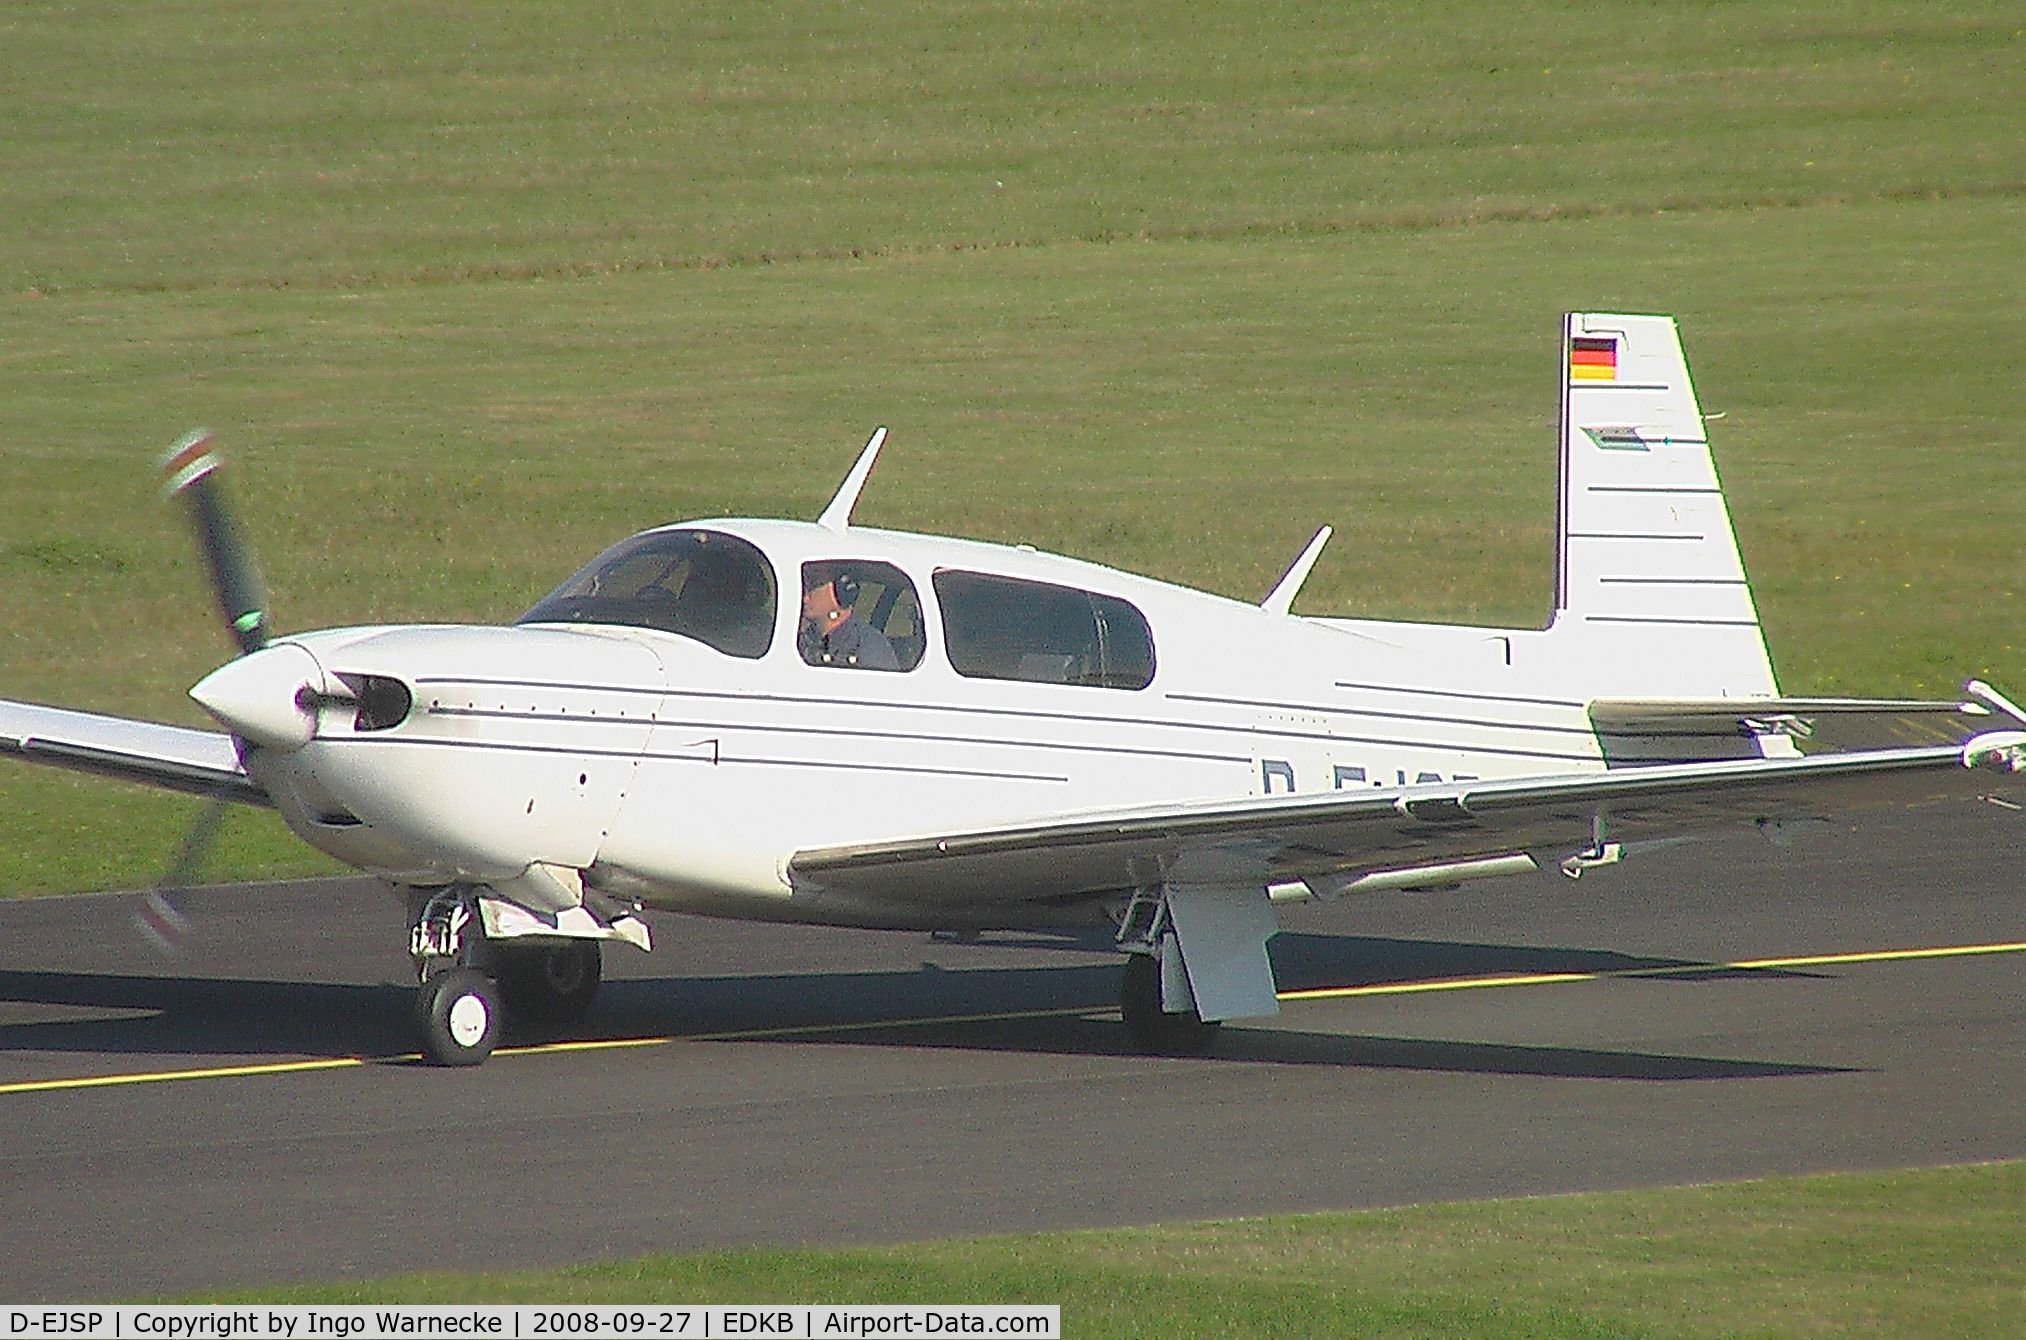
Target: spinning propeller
190, 472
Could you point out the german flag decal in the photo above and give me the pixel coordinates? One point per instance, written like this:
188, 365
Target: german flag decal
1593, 359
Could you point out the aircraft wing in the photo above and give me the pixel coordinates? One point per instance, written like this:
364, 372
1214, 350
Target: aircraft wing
1326, 838
177, 758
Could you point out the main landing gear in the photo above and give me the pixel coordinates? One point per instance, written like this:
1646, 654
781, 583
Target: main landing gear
471, 984
1154, 997
1153, 1028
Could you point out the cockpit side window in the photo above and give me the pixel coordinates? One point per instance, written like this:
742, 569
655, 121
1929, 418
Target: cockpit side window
860, 614
703, 584
1008, 628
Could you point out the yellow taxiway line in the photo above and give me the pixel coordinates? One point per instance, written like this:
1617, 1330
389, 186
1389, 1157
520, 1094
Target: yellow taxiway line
1667, 970
1310, 993
206, 1072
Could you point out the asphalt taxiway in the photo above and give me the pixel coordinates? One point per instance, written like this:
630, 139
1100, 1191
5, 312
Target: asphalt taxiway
245, 1114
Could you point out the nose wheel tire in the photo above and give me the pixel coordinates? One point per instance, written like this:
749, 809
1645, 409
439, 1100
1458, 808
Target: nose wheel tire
1151, 1028
461, 1013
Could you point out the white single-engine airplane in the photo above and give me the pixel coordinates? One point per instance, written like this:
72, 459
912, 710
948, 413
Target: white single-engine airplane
818, 722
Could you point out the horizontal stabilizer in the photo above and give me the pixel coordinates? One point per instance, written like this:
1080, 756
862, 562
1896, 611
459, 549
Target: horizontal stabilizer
1636, 731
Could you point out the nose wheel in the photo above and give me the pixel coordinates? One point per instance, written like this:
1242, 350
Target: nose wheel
461, 1009
461, 1015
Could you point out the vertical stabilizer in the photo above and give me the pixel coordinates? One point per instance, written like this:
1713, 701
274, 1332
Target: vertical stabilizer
1649, 582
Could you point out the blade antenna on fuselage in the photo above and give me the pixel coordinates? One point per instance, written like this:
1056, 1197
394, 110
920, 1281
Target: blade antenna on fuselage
838, 514
1280, 599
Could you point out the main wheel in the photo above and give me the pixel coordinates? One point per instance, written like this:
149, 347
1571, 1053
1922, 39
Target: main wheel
1152, 1028
549, 983
461, 1015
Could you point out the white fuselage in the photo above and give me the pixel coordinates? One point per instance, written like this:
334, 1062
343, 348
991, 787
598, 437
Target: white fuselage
669, 772
661, 728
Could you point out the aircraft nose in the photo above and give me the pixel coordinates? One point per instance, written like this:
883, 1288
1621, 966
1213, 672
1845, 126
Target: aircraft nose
260, 697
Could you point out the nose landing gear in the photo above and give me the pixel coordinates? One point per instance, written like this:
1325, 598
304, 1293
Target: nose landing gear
471, 983
460, 1010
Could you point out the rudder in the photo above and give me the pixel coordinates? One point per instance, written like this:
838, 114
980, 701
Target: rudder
1649, 581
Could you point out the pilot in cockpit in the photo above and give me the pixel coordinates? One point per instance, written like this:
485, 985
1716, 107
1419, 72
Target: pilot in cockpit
832, 633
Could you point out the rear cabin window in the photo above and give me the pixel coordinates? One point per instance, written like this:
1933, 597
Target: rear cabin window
703, 584
1006, 628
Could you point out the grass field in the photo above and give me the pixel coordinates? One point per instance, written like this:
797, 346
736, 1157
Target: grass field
467, 296
1934, 1253
470, 292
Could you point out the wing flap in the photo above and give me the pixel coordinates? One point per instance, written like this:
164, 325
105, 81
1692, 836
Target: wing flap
174, 758
1284, 838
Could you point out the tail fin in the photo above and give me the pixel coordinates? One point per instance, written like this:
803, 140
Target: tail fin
1649, 585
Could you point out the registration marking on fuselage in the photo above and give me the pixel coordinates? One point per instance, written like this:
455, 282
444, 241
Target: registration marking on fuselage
1480, 982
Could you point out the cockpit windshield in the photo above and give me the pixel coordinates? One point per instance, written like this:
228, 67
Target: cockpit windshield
713, 587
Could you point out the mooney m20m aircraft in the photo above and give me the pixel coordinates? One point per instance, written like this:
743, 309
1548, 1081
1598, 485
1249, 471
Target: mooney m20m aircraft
819, 722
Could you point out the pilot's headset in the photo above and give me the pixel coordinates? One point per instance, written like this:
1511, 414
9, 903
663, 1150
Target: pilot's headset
845, 587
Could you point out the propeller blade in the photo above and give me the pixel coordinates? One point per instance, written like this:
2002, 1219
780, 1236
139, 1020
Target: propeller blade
161, 918
190, 471
162, 921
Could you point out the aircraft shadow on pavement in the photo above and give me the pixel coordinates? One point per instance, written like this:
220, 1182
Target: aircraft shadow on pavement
1047, 1008
151, 1015
1283, 1046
